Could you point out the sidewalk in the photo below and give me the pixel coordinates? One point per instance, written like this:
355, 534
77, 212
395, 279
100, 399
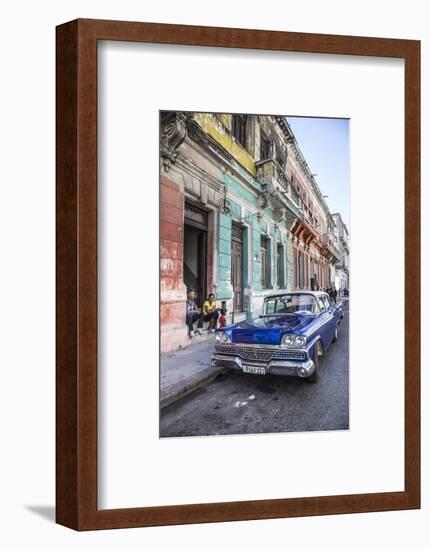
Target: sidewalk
186, 370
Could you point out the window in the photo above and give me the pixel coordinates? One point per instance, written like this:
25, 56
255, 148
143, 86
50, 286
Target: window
265, 147
222, 119
321, 303
280, 266
291, 303
239, 126
270, 307
300, 270
279, 158
264, 262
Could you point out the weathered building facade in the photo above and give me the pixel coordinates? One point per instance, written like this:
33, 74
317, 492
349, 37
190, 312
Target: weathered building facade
343, 265
314, 253
240, 216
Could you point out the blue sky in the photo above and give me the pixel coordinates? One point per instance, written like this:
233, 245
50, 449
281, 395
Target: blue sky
324, 142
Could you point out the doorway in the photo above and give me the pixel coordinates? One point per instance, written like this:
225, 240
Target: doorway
195, 251
237, 277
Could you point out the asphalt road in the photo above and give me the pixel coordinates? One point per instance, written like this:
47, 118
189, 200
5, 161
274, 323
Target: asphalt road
238, 403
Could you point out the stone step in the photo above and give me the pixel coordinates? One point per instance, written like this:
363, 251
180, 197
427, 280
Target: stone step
206, 335
198, 338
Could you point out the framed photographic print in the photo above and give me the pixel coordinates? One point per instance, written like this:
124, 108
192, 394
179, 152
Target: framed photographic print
238, 274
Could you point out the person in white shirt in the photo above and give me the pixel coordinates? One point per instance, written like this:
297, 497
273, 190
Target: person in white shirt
193, 313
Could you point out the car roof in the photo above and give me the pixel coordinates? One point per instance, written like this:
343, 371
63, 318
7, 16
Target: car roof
311, 292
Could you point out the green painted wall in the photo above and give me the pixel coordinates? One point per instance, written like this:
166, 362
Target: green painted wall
238, 190
224, 291
258, 228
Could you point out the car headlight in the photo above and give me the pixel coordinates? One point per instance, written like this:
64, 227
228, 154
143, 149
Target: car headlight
287, 340
290, 340
300, 341
222, 337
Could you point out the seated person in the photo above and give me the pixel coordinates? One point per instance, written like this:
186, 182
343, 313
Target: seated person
193, 313
210, 312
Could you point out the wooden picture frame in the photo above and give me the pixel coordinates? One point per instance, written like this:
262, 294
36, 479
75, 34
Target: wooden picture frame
76, 374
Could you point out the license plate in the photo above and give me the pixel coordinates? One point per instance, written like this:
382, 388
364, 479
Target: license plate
251, 369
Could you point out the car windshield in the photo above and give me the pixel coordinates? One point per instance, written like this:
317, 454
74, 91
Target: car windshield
290, 303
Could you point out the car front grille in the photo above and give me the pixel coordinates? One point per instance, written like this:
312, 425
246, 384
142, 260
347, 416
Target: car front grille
262, 354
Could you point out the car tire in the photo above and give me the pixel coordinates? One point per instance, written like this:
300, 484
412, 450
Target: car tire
316, 374
335, 334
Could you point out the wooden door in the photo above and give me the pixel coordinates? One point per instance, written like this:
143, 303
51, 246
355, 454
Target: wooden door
237, 267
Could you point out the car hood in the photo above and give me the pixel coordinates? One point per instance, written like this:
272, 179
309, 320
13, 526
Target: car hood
269, 330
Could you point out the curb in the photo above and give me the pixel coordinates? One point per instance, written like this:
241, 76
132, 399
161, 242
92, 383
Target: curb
176, 391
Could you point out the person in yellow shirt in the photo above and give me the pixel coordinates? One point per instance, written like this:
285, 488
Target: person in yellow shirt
210, 312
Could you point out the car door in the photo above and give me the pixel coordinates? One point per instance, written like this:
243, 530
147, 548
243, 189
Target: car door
326, 327
333, 318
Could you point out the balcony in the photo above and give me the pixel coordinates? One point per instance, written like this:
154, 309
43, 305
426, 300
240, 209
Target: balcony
268, 170
272, 175
327, 240
304, 228
310, 219
328, 248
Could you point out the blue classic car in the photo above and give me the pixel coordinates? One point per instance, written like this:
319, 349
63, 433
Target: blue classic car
293, 330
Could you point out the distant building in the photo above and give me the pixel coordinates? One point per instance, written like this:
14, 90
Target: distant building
342, 241
240, 215
314, 253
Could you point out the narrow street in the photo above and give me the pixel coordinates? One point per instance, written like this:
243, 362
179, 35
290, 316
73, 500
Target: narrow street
237, 403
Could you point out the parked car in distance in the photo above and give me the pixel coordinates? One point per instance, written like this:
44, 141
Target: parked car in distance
293, 330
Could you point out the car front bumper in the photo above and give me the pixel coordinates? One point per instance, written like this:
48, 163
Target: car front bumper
301, 369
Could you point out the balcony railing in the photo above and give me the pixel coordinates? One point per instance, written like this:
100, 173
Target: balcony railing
327, 240
328, 243
295, 194
269, 168
269, 171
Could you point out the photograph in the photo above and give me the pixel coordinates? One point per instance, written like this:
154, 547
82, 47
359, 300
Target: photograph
254, 273
184, 186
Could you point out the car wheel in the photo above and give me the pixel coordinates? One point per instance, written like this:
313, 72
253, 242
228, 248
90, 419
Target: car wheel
315, 376
335, 334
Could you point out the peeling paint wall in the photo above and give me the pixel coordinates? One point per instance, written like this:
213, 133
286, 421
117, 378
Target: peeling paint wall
216, 128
